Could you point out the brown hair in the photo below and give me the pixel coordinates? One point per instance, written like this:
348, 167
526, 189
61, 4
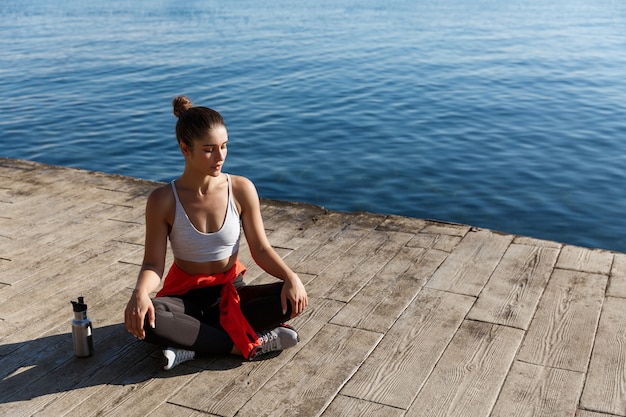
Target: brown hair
193, 122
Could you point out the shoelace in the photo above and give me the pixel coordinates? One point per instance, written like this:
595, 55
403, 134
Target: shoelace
269, 342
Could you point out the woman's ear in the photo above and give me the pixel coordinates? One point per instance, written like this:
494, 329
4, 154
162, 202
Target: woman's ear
184, 149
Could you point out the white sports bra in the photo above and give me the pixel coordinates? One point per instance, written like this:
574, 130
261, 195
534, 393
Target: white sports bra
189, 244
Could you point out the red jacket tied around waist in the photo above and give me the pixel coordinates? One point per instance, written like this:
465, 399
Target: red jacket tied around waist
178, 282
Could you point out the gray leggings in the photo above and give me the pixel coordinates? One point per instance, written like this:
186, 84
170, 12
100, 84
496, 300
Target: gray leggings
192, 321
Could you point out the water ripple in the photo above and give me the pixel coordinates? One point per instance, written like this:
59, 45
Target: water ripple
506, 115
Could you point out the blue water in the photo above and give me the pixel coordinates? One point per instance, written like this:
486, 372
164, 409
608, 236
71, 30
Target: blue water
508, 115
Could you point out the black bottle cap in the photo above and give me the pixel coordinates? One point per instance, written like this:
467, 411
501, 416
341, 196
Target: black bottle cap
80, 305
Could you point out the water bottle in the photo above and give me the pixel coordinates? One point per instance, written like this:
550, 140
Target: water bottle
82, 330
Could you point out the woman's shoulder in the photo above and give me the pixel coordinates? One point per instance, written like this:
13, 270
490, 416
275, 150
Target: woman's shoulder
161, 198
241, 183
162, 192
244, 191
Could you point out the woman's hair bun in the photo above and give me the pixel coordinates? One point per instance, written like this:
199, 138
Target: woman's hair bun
181, 104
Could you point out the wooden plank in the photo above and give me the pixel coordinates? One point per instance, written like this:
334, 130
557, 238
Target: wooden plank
145, 396
410, 350
225, 388
255, 275
586, 260
279, 215
587, 413
60, 255
169, 410
36, 230
530, 241
538, 391
18, 309
513, 292
46, 352
135, 235
431, 241
65, 197
306, 384
343, 406
441, 236
469, 375
120, 369
80, 386
45, 376
562, 333
442, 228
401, 224
57, 247
6, 195
468, 267
384, 298
344, 277
325, 252
6, 236
18, 324
287, 239
57, 231
292, 225
617, 282
95, 393
605, 389
331, 240
138, 389
63, 229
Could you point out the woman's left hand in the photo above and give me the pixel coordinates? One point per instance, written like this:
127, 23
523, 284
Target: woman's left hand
293, 291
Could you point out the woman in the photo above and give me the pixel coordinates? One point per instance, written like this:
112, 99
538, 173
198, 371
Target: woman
204, 305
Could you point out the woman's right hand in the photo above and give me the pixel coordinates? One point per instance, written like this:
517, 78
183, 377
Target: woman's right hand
137, 308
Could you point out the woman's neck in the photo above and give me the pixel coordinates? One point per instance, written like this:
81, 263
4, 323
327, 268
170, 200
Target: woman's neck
202, 183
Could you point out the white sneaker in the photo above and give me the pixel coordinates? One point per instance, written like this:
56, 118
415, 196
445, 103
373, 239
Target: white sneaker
173, 357
281, 338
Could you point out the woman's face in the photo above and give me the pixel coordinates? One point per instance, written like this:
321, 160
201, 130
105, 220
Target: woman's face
209, 152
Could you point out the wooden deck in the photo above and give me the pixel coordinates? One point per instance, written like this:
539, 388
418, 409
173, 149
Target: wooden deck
407, 317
